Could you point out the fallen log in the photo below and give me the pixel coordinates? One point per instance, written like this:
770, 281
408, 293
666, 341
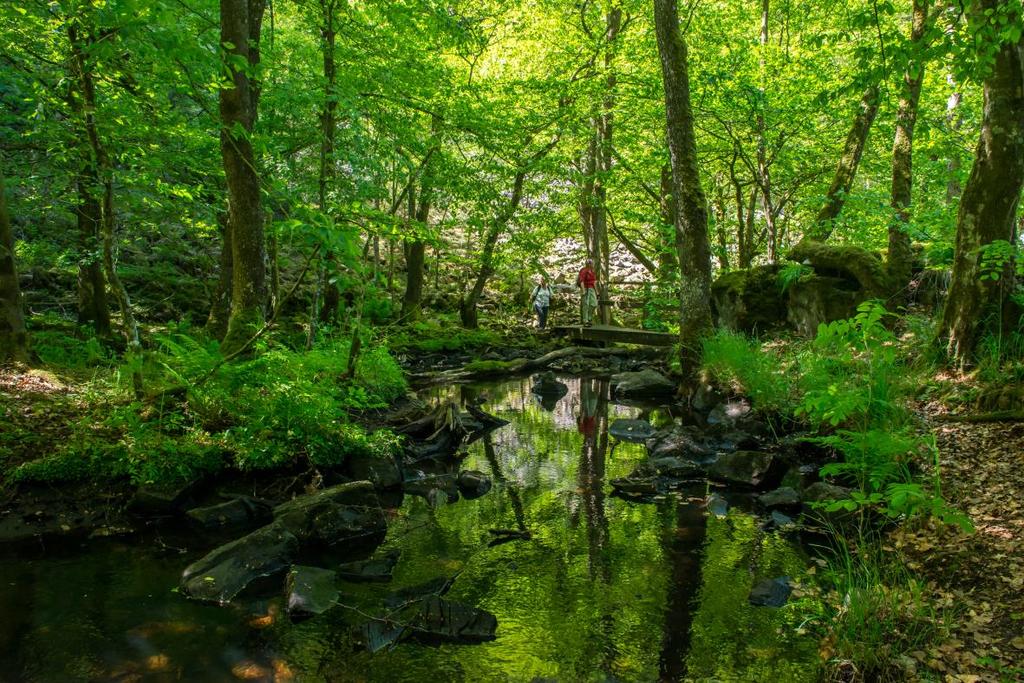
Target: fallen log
490, 369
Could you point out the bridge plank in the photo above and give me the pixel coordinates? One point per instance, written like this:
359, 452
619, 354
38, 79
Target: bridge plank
608, 333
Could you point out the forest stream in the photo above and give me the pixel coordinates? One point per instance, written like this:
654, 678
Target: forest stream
595, 587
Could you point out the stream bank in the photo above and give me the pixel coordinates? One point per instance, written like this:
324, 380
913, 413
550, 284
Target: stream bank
601, 586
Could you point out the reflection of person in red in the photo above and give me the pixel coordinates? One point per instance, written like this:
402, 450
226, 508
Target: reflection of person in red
586, 423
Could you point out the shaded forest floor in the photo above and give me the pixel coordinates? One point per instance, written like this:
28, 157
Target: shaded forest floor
977, 578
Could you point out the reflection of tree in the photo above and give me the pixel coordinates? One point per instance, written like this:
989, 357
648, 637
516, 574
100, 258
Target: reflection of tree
683, 538
499, 476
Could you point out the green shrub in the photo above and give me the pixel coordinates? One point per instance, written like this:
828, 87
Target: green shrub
735, 360
60, 349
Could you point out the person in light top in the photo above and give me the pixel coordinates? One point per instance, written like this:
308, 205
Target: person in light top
540, 299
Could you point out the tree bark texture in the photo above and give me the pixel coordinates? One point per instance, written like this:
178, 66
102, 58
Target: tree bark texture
846, 171
13, 336
240, 23
220, 307
691, 217
988, 206
900, 257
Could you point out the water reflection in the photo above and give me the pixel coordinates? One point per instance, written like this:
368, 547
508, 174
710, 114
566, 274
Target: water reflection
603, 589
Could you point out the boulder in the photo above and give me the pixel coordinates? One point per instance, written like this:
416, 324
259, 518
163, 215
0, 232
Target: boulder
631, 430
748, 468
749, 300
783, 498
473, 484
310, 591
376, 569
343, 513
821, 491
382, 472
641, 385
240, 511
164, 500
687, 442
228, 570
677, 468
771, 592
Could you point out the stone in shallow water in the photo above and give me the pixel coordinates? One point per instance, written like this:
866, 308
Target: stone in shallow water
437, 619
473, 484
717, 505
373, 569
771, 592
631, 430
548, 386
310, 591
644, 384
228, 570
343, 513
785, 497
749, 468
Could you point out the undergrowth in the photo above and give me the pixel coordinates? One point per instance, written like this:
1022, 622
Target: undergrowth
280, 408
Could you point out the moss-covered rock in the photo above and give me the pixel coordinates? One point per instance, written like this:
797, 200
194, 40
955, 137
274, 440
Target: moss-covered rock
862, 269
749, 300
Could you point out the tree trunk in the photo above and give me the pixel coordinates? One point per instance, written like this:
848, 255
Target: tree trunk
901, 257
92, 287
691, 217
467, 309
990, 198
240, 22
100, 160
13, 337
416, 249
867, 109
220, 307
668, 257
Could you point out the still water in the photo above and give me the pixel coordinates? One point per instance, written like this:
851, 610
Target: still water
604, 590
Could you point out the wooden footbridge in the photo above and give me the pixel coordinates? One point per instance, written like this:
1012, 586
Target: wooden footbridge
611, 334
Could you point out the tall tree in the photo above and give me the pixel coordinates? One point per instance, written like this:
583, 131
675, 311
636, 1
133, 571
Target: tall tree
82, 39
900, 258
691, 214
240, 24
13, 337
849, 162
416, 247
988, 207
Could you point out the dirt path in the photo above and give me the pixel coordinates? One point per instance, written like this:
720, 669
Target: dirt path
979, 578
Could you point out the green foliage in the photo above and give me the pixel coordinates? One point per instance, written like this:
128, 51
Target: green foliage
790, 272
739, 362
436, 335
875, 612
62, 350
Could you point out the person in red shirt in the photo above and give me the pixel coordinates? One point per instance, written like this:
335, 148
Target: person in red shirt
587, 282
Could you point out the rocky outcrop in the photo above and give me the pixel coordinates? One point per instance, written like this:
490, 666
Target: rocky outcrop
228, 570
340, 514
749, 300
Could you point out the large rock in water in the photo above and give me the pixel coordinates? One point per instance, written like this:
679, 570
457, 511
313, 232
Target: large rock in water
310, 591
343, 513
643, 384
437, 619
228, 570
749, 468
686, 442
240, 511
546, 384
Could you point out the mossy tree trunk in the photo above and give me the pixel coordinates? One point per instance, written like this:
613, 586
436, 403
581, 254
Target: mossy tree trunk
240, 23
81, 39
13, 337
900, 258
849, 162
988, 206
690, 216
